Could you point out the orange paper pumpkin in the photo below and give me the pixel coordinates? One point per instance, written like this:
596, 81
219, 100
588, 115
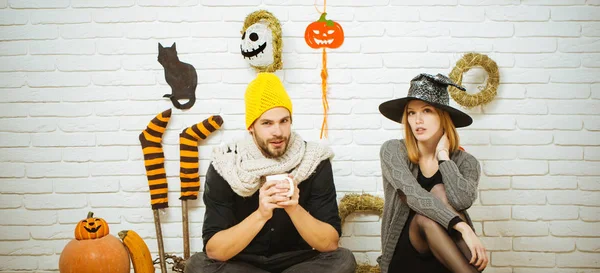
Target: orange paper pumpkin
324, 33
103, 255
91, 228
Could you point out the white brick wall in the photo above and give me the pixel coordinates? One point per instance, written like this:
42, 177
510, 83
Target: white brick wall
79, 80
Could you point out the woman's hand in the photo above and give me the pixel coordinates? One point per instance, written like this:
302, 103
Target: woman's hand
441, 150
478, 255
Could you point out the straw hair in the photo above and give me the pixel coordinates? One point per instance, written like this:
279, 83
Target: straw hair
275, 27
463, 65
411, 141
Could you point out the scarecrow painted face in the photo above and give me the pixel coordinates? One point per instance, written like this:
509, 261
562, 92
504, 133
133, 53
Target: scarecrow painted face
257, 44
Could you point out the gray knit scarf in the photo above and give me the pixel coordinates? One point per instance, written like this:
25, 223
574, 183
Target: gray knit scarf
242, 164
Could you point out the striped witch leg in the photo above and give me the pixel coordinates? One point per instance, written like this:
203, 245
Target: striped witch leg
188, 149
154, 159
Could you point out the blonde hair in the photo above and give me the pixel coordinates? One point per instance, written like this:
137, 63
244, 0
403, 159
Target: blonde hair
411, 141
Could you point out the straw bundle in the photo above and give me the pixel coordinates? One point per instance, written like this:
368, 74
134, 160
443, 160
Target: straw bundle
365, 268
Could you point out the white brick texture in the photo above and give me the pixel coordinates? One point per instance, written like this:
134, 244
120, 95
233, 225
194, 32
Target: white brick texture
79, 80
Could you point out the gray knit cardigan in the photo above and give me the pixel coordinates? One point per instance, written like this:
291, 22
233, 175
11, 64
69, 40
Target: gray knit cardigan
460, 176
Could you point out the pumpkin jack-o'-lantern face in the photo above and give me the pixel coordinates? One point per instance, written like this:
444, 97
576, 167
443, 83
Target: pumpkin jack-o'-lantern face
257, 44
91, 228
323, 36
324, 33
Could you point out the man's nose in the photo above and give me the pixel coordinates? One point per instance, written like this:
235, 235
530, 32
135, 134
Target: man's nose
277, 130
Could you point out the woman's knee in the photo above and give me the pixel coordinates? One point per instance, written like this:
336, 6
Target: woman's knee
439, 191
425, 222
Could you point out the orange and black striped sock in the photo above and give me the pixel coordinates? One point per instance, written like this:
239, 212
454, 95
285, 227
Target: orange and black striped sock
154, 159
188, 149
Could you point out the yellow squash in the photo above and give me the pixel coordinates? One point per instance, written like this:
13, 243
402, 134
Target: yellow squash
138, 251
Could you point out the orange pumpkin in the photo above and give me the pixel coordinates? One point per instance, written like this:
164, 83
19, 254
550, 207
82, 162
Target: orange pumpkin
103, 255
91, 228
324, 33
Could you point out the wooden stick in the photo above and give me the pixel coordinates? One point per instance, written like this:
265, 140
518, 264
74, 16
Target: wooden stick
161, 246
186, 230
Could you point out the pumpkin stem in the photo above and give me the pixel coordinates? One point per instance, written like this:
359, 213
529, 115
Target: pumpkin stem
90, 214
329, 23
322, 18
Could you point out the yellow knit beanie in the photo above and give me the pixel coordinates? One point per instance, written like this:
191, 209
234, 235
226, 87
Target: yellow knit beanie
263, 93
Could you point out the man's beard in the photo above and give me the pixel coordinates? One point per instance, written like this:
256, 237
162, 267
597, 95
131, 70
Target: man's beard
272, 152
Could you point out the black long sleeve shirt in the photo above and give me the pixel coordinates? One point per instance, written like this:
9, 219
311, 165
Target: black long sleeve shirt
224, 209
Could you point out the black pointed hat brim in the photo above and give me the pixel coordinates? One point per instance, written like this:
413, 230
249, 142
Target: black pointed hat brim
394, 110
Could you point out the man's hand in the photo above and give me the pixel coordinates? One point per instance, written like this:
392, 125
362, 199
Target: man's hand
319, 235
269, 197
291, 203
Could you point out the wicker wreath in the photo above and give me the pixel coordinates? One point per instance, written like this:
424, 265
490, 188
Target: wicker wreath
354, 202
463, 65
361, 203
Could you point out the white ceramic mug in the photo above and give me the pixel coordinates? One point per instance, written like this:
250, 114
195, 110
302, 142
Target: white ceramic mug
284, 176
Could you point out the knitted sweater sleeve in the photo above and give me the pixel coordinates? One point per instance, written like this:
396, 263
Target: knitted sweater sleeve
395, 171
461, 180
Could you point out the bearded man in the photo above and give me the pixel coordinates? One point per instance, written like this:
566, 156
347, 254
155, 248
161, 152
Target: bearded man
253, 224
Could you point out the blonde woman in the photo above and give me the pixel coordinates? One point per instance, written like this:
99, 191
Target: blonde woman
429, 182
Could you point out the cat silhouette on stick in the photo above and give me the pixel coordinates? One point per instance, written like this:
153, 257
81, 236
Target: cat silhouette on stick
180, 76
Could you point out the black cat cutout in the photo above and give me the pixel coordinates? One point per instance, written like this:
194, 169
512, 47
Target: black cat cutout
180, 76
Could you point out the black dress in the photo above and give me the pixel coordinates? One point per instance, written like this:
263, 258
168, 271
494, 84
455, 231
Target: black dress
406, 258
